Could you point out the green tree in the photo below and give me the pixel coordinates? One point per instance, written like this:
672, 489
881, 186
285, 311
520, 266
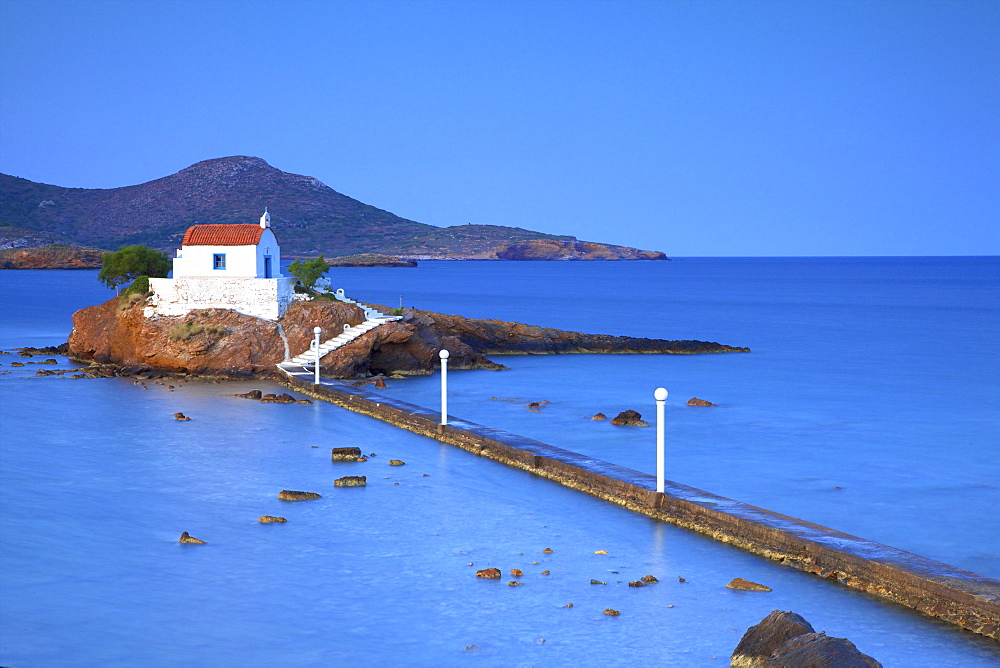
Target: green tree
308, 271
129, 263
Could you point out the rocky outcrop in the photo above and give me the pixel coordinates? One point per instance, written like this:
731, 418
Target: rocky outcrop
235, 345
746, 585
557, 249
762, 639
695, 401
489, 573
271, 519
188, 539
283, 398
629, 418
818, 650
345, 454
351, 481
292, 495
784, 639
54, 256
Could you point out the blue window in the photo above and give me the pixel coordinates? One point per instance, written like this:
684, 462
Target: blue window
219, 261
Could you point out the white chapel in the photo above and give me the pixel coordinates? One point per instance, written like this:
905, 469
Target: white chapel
232, 266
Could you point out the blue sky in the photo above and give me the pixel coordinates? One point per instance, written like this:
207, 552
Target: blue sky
695, 128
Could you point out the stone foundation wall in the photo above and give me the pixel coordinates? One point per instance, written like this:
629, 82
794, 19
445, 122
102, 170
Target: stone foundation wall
969, 600
260, 297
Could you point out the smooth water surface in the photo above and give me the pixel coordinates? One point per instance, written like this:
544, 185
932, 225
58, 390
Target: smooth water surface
97, 480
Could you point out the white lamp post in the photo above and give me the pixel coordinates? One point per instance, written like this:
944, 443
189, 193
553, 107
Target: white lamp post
317, 331
661, 396
444, 386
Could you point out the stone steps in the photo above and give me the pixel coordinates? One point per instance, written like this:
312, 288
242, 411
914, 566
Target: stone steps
306, 360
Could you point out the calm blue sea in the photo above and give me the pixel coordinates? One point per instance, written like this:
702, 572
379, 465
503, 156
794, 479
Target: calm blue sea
870, 403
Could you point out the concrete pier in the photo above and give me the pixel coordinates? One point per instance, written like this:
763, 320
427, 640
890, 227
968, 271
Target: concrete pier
961, 597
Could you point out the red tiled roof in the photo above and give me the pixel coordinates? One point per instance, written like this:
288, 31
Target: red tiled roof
238, 234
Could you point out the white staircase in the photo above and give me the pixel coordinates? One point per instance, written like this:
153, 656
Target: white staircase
303, 364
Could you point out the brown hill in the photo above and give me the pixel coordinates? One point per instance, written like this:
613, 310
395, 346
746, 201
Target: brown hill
309, 217
54, 256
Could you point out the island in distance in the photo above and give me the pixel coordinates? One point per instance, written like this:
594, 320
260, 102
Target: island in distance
313, 218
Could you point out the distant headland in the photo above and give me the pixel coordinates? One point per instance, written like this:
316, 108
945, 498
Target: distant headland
314, 219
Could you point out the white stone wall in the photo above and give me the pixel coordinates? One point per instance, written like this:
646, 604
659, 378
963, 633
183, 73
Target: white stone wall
241, 261
260, 297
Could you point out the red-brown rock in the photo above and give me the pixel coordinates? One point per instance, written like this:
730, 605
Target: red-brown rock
694, 401
630, 418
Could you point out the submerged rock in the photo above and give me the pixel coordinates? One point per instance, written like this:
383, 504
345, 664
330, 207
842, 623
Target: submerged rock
271, 519
630, 418
290, 495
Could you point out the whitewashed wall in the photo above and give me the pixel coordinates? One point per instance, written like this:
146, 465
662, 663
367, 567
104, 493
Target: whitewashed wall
260, 297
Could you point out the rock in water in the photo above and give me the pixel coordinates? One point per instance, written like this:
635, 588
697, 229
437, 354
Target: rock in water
181, 417
611, 612
189, 539
270, 519
283, 398
761, 640
489, 573
290, 495
351, 481
345, 454
397, 462
820, 651
694, 401
252, 394
630, 418
746, 585
649, 578
599, 417
380, 384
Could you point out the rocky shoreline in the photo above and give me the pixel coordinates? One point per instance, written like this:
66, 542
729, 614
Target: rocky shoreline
225, 343
53, 256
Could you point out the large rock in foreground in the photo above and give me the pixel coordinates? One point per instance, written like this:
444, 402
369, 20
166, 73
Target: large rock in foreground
786, 640
222, 342
762, 639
